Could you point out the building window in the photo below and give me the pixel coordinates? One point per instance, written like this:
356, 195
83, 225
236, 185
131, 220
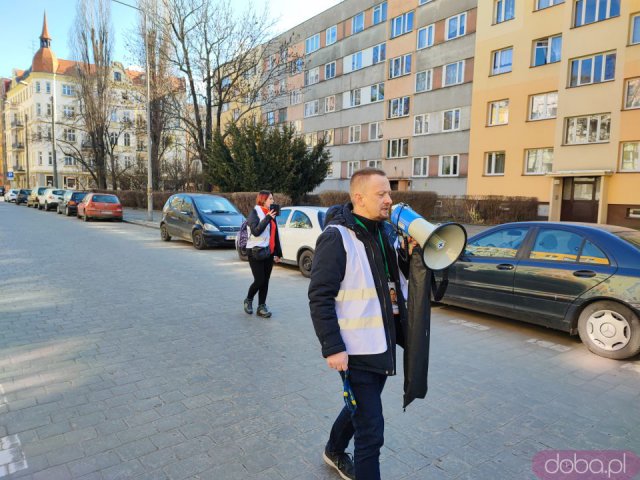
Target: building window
48, 109
421, 167
37, 87
356, 61
494, 164
354, 97
297, 66
547, 50
453, 73
498, 113
312, 76
591, 11
379, 13
425, 36
630, 161
632, 93
375, 131
312, 44
451, 120
69, 134
377, 92
330, 104
67, 90
635, 29
379, 53
502, 61
402, 24
331, 35
117, 76
39, 158
48, 87
538, 161
400, 66
540, 4
374, 164
421, 124
311, 108
504, 10
329, 70
271, 118
456, 26
354, 133
38, 109
50, 158
357, 23
543, 106
588, 129
398, 148
328, 136
127, 140
68, 111
69, 161
398, 107
448, 165
295, 97
594, 69
352, 167
424, 81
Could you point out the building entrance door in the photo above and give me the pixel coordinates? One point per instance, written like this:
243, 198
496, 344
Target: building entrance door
580, 199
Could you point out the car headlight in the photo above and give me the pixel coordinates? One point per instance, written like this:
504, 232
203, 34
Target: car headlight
209, 227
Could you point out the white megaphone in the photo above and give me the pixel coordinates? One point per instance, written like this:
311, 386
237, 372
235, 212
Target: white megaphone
441, 244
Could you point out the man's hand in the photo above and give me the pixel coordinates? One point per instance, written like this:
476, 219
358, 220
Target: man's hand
277, 259
338, 361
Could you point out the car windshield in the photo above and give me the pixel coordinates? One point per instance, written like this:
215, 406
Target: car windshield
78, 196
632, 237
214, 205
321, 216
104, 199
58, 192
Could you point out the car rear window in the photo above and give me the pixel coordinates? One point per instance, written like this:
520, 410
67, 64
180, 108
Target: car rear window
632, 237
105, 199
78, 196
58, 192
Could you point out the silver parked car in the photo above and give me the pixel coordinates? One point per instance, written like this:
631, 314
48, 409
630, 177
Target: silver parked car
50, 198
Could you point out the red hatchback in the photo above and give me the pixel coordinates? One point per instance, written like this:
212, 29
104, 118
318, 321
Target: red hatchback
100, 205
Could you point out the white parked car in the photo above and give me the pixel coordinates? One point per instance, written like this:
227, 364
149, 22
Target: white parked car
11, 195
299, 228
50, 198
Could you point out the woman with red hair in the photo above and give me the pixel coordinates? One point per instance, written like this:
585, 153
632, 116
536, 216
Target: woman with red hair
263, 247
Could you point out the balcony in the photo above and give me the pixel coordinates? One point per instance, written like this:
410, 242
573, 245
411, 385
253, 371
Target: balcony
86, 145
17, 123
18, 168
141, 148
17, 146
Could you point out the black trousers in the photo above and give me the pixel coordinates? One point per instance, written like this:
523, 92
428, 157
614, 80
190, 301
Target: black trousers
261, 270
365, 425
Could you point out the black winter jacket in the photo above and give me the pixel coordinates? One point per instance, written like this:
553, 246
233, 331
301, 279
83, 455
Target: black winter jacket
328, 270
257, 227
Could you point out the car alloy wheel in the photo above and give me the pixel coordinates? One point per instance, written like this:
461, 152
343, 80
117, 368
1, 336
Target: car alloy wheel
610, 329
305, 262
198, 240
164, 233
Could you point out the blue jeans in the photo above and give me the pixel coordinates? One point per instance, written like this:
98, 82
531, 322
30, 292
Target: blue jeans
365, 425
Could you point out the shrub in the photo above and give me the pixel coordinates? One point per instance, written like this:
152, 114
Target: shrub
333, 197
490, 209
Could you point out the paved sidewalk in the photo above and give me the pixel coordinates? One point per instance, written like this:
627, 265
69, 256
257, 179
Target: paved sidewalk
139, 216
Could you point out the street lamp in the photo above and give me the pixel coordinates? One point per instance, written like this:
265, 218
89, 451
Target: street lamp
146, 69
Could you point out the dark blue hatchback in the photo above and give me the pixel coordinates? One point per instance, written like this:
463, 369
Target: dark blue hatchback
205, 220
578, 278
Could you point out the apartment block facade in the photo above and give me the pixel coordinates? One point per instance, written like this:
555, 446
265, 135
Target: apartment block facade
41, 105
556, 107
388, 84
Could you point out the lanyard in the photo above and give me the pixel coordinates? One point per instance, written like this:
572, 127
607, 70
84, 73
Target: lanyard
384, 252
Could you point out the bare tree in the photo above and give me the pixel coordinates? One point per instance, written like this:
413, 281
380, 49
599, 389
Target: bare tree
92, 47
226, 58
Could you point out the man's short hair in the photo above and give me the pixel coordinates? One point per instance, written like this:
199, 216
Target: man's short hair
360, 175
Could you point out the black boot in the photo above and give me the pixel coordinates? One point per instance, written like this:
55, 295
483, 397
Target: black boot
263, 311
248, 306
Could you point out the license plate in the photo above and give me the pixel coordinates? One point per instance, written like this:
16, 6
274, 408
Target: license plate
230, 237
107, 212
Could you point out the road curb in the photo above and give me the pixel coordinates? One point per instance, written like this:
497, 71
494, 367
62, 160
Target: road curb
142, 223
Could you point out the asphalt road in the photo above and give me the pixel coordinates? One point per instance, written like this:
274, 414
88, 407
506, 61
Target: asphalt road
122, 356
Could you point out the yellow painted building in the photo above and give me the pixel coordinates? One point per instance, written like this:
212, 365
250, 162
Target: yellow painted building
556, 107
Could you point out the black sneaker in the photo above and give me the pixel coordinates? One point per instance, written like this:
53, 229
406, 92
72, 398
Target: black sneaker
263, 311
248, 306
342, 462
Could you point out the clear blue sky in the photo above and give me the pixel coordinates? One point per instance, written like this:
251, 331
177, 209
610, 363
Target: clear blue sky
21, 24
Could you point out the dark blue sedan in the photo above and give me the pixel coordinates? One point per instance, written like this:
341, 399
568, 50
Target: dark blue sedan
578, 278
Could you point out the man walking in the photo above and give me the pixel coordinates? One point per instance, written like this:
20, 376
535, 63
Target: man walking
355, 269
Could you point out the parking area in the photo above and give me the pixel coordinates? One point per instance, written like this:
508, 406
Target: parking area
122, 356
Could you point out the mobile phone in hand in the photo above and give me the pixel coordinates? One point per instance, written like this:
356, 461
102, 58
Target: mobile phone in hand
275, 208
